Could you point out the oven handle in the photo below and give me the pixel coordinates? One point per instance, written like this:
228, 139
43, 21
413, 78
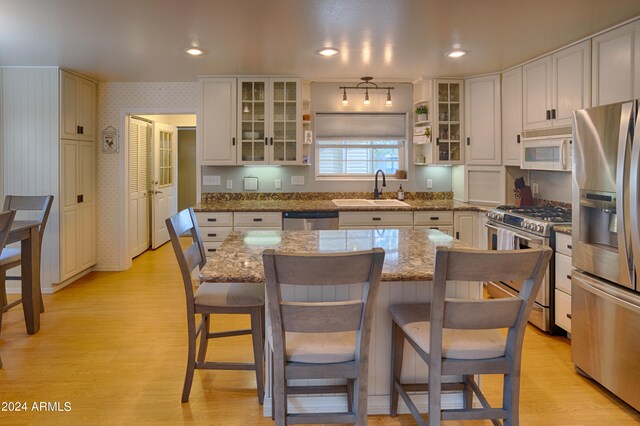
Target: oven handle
531, 240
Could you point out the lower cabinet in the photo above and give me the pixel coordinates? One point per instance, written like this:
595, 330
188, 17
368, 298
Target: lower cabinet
214, 228
563, 282
375, 219
440, 220
78, 207
257, 221
465, 226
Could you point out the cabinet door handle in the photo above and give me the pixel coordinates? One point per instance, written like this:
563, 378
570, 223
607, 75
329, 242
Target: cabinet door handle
434, 218
468, 141
553, 114
271, 140
376, 218
569, 246
233, 141
266, 141
568, 277
569, 316
433, 227
78, 129
548, 114
212, 219
257, 219
437, 141
517, 138
211, 250
212, 235
457, 235
80, 198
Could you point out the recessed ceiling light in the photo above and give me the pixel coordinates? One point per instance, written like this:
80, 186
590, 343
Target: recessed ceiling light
194, 51
328, 51
456, 53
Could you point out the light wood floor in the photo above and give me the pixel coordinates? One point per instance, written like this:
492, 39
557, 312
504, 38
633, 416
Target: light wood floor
113, 346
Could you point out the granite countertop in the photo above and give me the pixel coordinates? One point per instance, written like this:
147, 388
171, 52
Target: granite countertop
409, 253
563, 229
327, 205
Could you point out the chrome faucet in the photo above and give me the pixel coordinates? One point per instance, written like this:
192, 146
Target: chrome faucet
376, 193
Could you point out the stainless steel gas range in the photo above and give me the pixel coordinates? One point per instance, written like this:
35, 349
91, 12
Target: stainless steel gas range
527, 227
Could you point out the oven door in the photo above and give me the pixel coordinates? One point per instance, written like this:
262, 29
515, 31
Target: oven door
540, 313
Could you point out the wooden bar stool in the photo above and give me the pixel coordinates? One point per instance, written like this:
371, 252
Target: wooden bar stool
214, 298
6, 219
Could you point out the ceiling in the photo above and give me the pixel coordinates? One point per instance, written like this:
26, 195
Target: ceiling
142, 40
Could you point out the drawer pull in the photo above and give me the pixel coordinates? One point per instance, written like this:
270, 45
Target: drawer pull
569, 316
212, 219
569, 246
376, 218
212, 235
211, 250
434, 218
568, 277
257, 219
433, 227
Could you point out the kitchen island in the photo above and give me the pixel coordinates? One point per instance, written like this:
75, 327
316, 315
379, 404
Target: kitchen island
406, 278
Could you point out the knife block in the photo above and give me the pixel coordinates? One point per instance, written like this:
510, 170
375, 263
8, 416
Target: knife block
524, 197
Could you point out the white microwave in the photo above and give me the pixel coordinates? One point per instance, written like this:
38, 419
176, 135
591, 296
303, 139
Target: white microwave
546, 153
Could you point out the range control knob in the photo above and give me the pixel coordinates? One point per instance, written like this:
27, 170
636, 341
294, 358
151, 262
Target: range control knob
539, 228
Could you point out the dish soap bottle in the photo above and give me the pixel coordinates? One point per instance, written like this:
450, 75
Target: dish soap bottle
400, 193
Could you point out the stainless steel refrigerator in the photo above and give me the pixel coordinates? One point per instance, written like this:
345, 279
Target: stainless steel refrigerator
605, 288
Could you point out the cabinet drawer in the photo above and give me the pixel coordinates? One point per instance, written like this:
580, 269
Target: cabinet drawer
385, 218
210, 247
563, 244
215, 233
563, 310
257, 228
257, 219
433, 218
563, 273
214, 219
447, 229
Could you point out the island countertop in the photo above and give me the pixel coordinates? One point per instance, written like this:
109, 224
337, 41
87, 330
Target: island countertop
409, 253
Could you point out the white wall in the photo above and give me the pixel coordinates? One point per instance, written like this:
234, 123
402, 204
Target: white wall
115, 101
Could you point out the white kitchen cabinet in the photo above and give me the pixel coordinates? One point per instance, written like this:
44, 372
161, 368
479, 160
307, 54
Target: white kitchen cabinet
556, 85
77, 193
562, 272
465, 227
257, 221
482, 120
511, 116
440, 220
77, 107
375, 219
448, 119
480, 184
214, 228
616, 65
270, 121
217, 121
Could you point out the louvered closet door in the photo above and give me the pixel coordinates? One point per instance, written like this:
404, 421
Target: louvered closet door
139, 136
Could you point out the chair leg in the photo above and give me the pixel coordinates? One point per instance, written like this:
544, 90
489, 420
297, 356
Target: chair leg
204, 337
511, 398
3, 290
435, 394
258, 349
360, 398
41, 303
280, 393
191, 359
397, 349
468, 392
350, 384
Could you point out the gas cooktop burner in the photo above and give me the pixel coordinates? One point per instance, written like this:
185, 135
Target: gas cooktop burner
538, 220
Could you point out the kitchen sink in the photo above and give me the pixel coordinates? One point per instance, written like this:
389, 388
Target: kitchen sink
361, 202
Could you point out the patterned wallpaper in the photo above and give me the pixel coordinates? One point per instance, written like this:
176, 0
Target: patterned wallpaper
114, 101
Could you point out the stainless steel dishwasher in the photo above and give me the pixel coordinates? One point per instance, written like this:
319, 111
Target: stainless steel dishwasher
309, 220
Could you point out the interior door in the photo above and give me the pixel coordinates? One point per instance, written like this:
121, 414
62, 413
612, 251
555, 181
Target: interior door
164, 181
139, 181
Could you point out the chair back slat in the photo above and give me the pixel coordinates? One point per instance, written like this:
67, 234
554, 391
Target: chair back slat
328, 269
194, 255
31, 203
481, 314
6, 219
327, 317
492, 265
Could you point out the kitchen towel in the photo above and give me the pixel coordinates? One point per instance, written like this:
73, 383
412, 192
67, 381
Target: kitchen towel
506, 239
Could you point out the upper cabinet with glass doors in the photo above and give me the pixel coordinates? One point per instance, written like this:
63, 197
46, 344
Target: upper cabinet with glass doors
270, 124
447, 122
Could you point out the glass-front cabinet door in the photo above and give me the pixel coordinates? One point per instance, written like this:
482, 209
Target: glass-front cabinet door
270, 124
448, 122
286, 120
253, 129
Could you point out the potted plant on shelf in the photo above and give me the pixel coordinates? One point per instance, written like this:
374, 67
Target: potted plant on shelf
422, 111
427, 134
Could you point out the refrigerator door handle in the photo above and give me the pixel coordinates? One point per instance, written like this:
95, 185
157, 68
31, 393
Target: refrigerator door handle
623, 175
634, 188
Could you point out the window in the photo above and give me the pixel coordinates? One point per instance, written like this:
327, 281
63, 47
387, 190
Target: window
356, 145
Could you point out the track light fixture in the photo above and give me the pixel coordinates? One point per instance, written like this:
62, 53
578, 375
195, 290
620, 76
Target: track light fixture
366, 85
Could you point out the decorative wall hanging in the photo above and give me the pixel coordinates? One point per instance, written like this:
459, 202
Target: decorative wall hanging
110, 142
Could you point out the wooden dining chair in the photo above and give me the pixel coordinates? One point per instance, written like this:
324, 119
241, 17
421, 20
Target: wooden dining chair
321, 340
6, 219
40, 206
214, 298
462, 338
